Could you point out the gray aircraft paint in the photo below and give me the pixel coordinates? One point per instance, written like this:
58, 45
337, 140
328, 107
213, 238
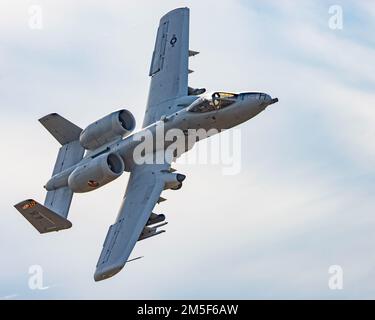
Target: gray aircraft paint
110, 145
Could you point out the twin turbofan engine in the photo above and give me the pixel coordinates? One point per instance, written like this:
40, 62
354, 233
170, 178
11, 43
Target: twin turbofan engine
107, 167
113, 127
100, 171
97, 171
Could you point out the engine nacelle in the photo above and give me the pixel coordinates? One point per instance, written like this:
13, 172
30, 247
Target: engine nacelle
117, 125
96, 173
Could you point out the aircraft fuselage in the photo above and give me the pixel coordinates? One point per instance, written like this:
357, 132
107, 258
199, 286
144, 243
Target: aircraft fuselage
246, 106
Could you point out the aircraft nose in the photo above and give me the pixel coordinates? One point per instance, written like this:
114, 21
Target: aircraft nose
268, 100
263, 99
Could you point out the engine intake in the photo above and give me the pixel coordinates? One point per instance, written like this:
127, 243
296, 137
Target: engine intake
115, 126
96, 173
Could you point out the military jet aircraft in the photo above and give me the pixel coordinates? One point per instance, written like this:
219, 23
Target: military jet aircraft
91, 158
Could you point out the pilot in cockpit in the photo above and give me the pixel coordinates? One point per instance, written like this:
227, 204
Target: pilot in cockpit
213, 102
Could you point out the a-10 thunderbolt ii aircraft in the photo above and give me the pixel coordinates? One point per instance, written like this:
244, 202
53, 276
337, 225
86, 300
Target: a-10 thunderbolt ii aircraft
97, 155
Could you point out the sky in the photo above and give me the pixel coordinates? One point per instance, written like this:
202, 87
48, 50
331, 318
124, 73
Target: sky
303, 200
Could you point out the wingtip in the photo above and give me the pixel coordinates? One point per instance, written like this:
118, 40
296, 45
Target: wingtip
106, 273
176, 11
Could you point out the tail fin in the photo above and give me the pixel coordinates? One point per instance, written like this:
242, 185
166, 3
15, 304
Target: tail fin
42, 218
63, 130
57, 203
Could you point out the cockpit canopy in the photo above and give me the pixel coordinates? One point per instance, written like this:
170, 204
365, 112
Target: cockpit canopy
213, 102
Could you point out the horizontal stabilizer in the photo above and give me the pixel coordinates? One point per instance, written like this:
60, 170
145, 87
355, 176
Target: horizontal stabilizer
42, 218
59, 200
63, 130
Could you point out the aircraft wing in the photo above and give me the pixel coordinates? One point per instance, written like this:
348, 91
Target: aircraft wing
169, 66
145, 185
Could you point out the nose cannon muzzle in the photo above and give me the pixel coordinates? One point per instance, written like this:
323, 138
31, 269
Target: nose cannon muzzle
276, 100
